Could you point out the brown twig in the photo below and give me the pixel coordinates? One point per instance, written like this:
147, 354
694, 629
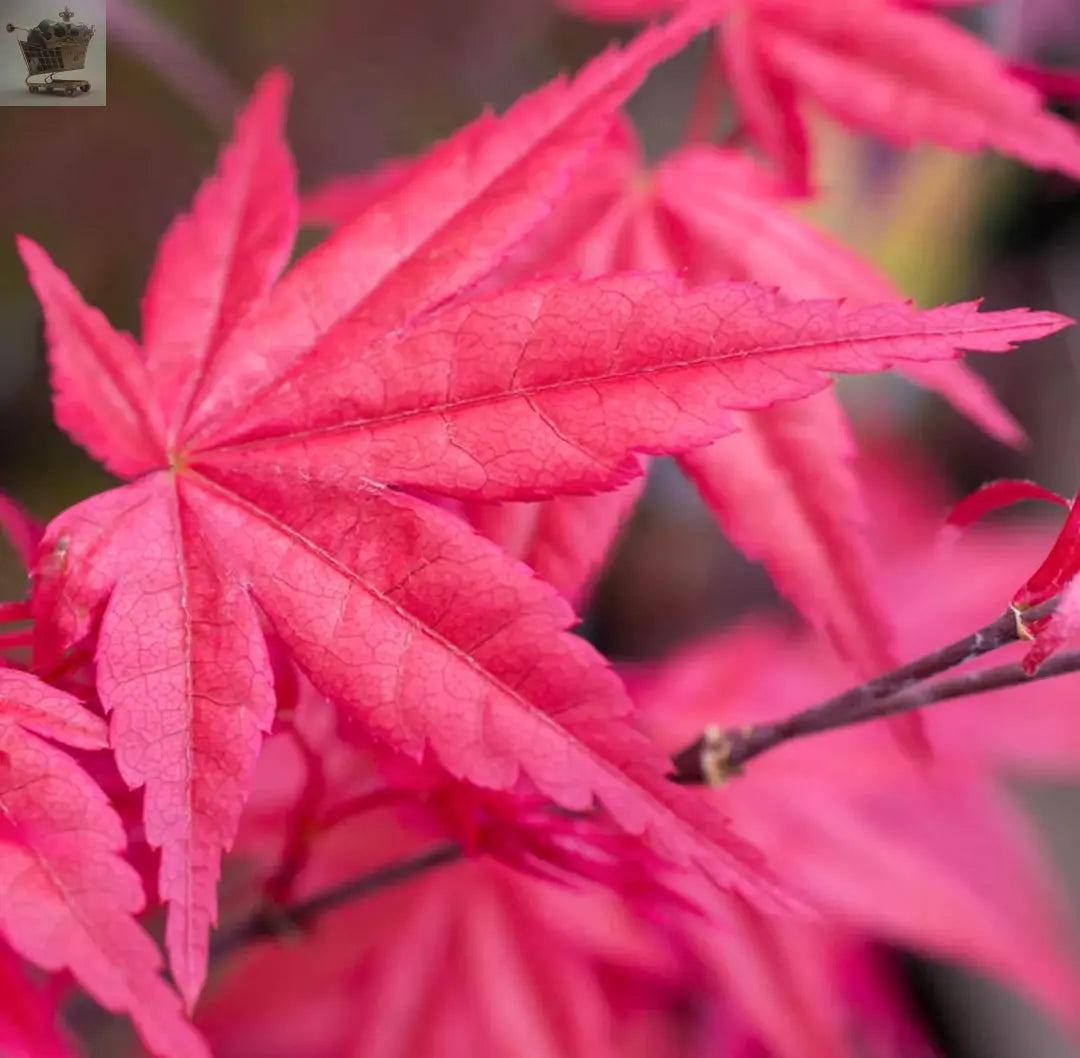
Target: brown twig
274, 922
717, 755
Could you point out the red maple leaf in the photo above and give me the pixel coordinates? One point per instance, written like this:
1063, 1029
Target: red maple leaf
709, 214
882, 66
448, 960
277, 436
67, 898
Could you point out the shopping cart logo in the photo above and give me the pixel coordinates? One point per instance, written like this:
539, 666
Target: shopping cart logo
51, 49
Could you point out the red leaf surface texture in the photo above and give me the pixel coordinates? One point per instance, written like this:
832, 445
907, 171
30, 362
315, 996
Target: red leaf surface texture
67, 898
278, 438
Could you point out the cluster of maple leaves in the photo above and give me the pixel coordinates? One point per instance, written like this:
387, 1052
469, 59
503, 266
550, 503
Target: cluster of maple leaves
326, 620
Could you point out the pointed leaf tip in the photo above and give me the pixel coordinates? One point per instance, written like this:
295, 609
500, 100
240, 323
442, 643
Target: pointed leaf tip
448, 223
1058, 568
218, 262
996, 495
101, 393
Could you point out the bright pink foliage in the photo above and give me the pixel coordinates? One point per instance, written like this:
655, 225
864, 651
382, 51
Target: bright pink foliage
327, 617
67, 898
710, 214
883, 66
883, 851
279, 505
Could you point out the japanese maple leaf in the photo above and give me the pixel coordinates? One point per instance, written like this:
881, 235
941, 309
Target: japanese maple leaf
883, 66
446, 966
276, 436
462, 977
67, 897
802, 988
180, 629
317, 780
1029, 730
448, 960
709, 214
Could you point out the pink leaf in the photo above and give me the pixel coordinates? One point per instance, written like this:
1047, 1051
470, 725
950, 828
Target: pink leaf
179, 628
448, 1004
550, 386
1054, 632
941, 863
176, 631
448, 224
432, 636
219, 261
30, 1025
1054, 84
808, 988
67, 899
39, 708
101, 390
768, 102
998, 494
899, 71
741, 229
565, 540
371, 371
913, 866
909, 76
1059, 567
784, 489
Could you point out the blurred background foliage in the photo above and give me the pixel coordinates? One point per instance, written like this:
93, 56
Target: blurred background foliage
375, 79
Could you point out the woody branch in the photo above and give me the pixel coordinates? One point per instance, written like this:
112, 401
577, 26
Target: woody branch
718, 754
